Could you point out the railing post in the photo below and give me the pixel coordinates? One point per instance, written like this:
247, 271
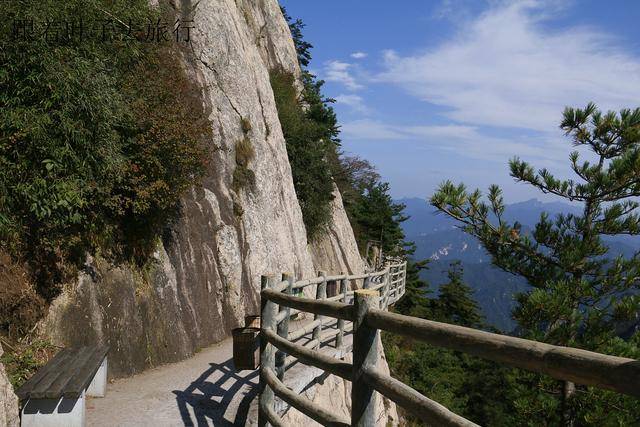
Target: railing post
385, 289
404, 277
366, 284
343, 292
392, 286
365, 355
321, 293
267, 351
283, 328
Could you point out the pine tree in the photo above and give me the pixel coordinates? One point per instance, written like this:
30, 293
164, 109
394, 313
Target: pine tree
379, 218
580, 294
303, 47
456, 303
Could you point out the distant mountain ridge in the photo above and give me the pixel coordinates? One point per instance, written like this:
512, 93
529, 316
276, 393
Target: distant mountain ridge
439, 239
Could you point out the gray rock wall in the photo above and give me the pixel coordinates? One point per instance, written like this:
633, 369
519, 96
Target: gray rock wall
336, 251
9, 413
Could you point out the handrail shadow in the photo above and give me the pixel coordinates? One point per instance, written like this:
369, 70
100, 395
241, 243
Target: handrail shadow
210, 401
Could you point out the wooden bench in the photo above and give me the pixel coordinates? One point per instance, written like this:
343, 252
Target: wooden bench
55, 395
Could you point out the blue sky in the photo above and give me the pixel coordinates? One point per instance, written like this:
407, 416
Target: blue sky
451, 89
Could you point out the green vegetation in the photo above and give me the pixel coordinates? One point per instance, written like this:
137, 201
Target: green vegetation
580, 297
98, 139
311, 130
369, 205
455, 300
22, 359
303, 48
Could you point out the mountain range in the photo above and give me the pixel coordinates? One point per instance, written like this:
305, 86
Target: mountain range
438, 239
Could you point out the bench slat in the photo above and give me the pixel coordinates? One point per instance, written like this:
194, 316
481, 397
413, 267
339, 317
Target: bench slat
24, 391
52, 374
68, 374
84, 374
58, 387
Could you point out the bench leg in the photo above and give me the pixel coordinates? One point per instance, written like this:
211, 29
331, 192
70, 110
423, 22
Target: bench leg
54, 412
98, 386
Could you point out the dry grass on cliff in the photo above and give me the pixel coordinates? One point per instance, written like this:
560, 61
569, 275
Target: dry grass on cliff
20, 305
243, 177
20, 309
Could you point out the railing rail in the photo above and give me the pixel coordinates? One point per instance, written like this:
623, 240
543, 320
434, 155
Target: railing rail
614, 373
368, 316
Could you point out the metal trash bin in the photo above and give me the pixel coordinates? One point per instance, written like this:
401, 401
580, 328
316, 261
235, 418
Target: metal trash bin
332, 288
252, 321
246, 348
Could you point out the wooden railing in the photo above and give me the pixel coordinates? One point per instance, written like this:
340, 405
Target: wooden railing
367, 316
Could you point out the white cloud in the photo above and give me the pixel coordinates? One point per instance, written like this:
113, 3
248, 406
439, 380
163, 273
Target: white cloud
340, 72
353, 101
506, 68
371, 130
359, 55
463, 140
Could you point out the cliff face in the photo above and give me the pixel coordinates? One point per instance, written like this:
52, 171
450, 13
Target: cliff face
205, 275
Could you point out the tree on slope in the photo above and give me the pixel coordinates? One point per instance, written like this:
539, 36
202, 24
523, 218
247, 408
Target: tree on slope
580, 294
379, 218
303, 47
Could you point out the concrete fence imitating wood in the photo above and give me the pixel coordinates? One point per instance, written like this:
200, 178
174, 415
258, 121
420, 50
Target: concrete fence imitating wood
365, 310
278, 346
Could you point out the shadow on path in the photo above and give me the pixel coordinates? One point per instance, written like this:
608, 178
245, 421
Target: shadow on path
211, 395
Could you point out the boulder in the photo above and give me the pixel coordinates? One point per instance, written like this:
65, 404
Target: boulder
9, 410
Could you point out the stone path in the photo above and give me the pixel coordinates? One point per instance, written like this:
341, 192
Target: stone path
204, 390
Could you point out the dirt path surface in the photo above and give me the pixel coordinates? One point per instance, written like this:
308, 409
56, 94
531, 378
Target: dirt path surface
204, 390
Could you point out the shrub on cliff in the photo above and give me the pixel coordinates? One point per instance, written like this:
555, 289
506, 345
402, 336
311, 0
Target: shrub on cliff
100, 133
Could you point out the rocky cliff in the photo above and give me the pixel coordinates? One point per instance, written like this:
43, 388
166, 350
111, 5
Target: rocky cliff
8, 400
205, 275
